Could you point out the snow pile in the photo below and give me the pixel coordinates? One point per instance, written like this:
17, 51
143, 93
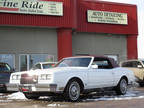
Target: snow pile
53, 105
1, 94
57, 105
44, 97
17, 95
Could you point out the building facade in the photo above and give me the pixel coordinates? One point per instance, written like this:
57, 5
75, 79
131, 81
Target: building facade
48, 30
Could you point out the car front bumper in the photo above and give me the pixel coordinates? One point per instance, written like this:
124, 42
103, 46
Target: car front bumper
3, 88
38, 88
12, 87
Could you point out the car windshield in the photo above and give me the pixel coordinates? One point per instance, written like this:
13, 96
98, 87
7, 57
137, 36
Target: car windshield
46, 66
74, 62
143, 62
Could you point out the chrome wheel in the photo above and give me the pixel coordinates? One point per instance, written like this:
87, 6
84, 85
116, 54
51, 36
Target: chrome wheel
123, 86
74, 91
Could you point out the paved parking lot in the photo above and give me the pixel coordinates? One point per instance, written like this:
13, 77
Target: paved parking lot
134, 98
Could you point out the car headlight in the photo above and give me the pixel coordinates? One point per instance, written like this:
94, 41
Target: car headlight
45, 77
15, 77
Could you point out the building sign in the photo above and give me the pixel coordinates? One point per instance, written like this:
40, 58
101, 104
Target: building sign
32, 7
107, 17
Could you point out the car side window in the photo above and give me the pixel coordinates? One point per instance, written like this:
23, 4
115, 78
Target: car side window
127, 64
102, 63
4, 68
136, 63
131, 64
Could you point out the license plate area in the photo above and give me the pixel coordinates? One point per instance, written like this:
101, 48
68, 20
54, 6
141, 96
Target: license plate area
25, 88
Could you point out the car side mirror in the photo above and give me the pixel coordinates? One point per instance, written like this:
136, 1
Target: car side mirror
94, 66
140, 66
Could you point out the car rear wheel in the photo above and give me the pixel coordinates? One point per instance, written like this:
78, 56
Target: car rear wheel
121, 88
72, 92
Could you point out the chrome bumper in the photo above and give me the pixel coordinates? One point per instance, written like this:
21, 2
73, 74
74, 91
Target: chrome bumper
12, 87
37, 87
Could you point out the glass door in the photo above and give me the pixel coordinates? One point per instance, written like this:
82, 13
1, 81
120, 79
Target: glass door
23, 62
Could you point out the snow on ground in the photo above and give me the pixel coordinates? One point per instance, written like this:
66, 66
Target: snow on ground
5, 101
128, 96
17, 95
105, 98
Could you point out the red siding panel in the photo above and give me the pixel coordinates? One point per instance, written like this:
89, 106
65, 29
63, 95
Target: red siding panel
64, 43
75, 16
132, 47
67, 20
84, 26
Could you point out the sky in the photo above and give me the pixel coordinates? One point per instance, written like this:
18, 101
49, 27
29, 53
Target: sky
140, 7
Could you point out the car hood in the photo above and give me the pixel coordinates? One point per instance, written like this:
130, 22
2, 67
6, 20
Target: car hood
62, 69
50, 71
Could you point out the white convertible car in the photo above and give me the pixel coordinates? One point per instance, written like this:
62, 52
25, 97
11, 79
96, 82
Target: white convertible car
74, 76
15, 77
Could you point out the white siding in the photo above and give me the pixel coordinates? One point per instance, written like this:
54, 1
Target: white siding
26, 40
100, 44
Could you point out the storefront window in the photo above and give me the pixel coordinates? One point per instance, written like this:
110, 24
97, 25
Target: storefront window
23, 62
27, 61
8, 58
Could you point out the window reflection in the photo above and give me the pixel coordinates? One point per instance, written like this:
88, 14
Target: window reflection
8, 58
23, 62
27, 61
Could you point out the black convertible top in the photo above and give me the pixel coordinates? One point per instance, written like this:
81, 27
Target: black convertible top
111, 60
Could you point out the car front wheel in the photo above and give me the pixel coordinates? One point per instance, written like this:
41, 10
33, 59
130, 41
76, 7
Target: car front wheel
141, 84
121, 88
72, 91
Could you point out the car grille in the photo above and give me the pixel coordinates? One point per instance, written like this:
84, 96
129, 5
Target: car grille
26, 79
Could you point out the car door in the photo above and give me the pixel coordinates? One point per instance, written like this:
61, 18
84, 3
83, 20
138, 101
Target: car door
138, 69
5, 72
100, 77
